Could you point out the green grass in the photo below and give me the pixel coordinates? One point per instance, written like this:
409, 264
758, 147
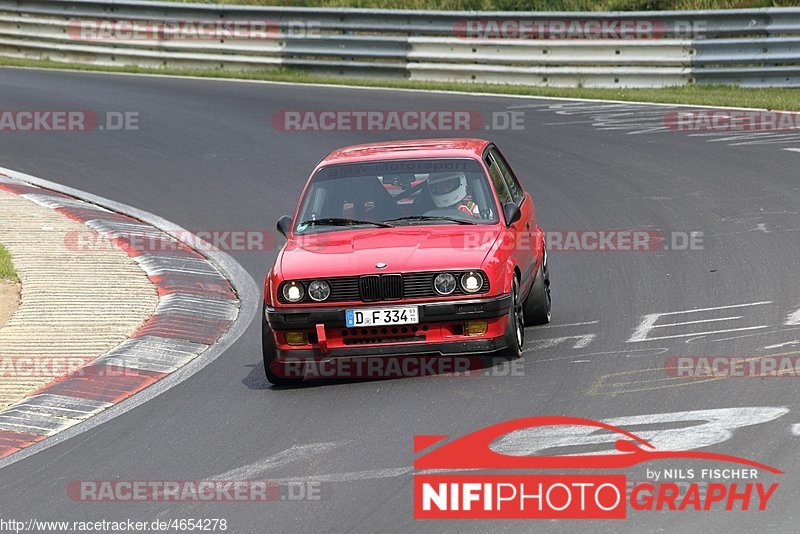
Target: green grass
7, 271
720, 95
518, 5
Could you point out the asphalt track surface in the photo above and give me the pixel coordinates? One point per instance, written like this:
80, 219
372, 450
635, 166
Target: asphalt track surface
206, 157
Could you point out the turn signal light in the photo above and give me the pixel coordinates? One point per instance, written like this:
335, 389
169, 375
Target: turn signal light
476, 328
296, 338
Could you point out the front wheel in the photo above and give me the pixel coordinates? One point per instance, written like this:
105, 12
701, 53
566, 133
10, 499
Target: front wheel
515, 327
538, 304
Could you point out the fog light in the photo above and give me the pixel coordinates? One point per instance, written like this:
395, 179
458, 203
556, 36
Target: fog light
476, 328
296, 338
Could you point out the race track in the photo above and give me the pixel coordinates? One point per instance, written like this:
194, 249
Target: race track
206, 157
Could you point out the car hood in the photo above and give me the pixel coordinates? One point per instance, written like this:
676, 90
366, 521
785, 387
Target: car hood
407, 249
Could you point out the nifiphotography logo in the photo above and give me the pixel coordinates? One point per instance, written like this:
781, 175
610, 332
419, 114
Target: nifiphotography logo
503, 489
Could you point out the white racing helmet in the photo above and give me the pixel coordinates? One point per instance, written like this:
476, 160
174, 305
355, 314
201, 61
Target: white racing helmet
447, 188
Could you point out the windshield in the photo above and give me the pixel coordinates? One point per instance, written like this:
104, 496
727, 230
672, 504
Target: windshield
396, 193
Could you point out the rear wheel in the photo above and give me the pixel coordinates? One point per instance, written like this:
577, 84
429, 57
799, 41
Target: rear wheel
270, 358
538, 304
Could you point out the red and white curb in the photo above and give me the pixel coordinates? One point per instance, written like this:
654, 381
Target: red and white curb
197, 307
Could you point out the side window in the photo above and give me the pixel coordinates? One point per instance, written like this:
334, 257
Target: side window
498, 181
517, 194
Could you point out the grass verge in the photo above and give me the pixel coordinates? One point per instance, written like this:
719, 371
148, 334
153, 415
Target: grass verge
7, 271
709, 95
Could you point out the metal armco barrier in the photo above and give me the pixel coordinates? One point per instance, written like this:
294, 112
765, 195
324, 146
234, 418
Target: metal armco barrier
750, 47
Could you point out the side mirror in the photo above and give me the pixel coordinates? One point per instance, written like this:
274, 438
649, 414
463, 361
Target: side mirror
512, 213
285, 225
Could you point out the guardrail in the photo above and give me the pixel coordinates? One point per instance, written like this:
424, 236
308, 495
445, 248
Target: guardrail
752, 47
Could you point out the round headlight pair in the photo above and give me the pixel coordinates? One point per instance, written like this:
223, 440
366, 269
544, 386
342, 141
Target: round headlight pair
318, 290
445, 283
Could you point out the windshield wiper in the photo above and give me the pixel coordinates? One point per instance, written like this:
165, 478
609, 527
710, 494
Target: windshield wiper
338, 221
431, 218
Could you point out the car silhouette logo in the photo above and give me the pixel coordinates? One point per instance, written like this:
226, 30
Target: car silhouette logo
472, 451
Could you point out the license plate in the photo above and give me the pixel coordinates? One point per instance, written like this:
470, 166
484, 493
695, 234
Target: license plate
382, 316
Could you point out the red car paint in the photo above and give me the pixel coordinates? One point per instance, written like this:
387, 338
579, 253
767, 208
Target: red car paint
499, 250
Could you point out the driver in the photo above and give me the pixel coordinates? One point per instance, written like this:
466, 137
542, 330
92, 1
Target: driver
449, 192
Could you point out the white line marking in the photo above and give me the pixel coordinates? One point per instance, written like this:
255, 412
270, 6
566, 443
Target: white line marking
581, 341
590, 121
676, 431
370, 474
288, 456
779, 345
628, 354
770, 332
792, 149
796, 429
649, 322
698, 334
769, 141
640, 334
719, 308
697, 322
711, 426
793, 318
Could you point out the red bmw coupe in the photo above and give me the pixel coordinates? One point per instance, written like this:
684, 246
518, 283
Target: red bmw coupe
427, 247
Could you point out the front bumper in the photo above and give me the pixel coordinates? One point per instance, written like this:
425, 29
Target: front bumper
333, 316
471, 347
436, 326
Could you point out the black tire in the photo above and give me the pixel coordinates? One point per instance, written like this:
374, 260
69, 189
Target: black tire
515, 326
538, 305
268, 350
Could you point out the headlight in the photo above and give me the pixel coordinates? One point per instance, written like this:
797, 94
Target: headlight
444, 283
293, 292
319, 290
471, 282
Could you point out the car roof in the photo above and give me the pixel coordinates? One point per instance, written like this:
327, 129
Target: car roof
412, 149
